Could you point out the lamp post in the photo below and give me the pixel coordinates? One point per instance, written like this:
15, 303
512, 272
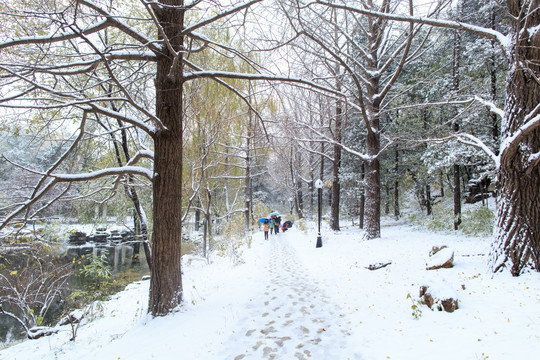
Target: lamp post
318, 185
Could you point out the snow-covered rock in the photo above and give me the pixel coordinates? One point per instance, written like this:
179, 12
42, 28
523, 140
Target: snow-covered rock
439, 294
440, 257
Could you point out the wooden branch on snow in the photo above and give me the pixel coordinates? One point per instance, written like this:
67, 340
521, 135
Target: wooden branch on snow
378, 266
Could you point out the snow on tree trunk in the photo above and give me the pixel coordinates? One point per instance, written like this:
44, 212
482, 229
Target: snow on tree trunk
372, 207
247, 188
166, 280
517, 235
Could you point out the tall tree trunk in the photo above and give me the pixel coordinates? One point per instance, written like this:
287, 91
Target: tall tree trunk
457, 198
517, 235
299, 183
336, 186
441, 183
362, 205
207, 223
387, 197
311, 187
493, 90
372, 210
321, 167
396, 185
247, 181
456, 69
166, 291
226, 185
429, 209
361, 210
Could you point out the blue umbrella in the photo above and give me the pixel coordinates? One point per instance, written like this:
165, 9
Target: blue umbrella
273, 214
262, 220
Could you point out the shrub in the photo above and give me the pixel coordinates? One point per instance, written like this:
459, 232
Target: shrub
301, 225
478, 221
33, 282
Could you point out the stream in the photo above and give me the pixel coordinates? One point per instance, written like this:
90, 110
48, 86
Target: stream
124, 255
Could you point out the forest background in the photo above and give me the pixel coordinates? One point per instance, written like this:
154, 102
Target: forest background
185, 113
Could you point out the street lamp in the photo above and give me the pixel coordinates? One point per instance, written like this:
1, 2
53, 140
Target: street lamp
318, 185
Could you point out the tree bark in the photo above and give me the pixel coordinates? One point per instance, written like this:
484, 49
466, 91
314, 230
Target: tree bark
247, 184
336, 186
396, 186
457, 198
429, 209
372, 208
517, 234
455, 86
299, 192
166, 291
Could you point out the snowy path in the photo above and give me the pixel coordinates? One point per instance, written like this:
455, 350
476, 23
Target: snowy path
292, 319
285, 299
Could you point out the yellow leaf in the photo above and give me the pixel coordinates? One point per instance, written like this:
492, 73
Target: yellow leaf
14, 272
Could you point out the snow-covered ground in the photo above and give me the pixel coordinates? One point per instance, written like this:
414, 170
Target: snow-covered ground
290, 300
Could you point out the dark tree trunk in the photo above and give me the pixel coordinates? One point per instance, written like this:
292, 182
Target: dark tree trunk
336, 186
517, 236
429, 210
247, 182
299, 191
197, 219
396, 186
456, 70
493, 90
396, 200
207, 222
362, 200
361, 210
457, 198
441, 184
166, 291
311, 190
372, 211
387, 198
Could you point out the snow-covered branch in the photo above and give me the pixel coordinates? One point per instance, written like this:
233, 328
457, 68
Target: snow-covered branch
471, 140
36, 40
448, 24
121, 170
232, 11
491, 106
115, 21
93, 107
530, 124
263, 77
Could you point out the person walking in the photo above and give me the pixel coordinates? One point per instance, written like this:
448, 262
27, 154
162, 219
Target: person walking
266, 227
272, 224
277, 222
